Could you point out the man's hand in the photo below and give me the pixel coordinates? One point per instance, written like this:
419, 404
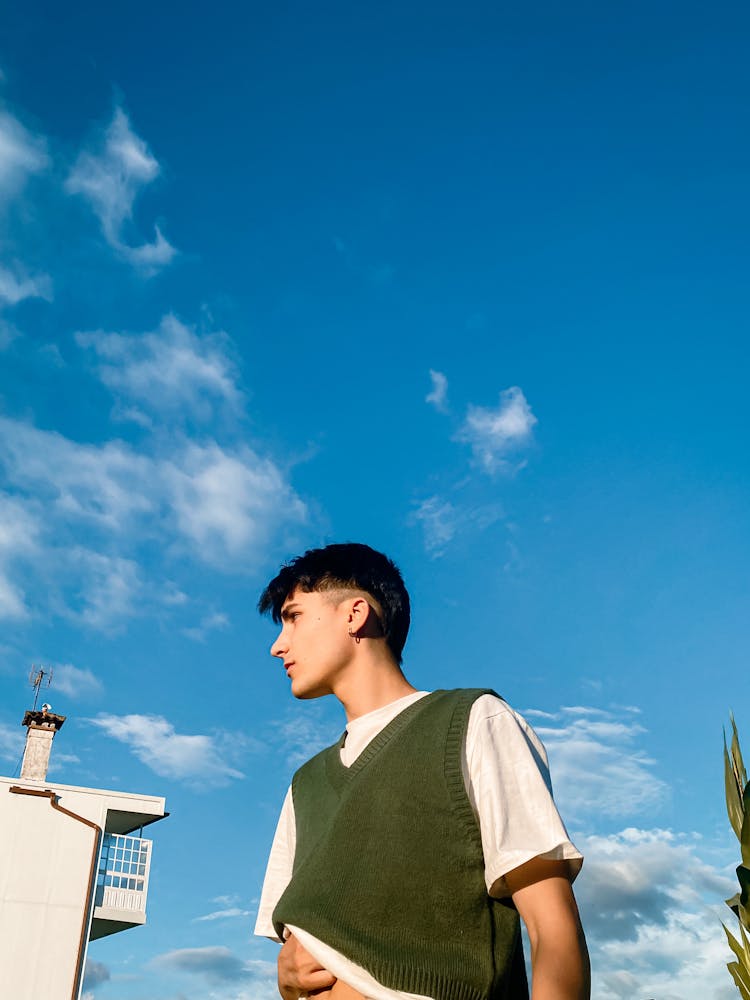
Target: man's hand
559, 960
300, 974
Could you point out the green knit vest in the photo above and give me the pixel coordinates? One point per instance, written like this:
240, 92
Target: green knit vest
389, 869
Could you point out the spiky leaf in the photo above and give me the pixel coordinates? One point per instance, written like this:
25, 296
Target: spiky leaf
733, 792
738, 763
734, 944
737, 975
745, 831
743, 877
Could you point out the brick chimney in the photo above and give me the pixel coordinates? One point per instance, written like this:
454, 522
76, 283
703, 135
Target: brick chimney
40, 731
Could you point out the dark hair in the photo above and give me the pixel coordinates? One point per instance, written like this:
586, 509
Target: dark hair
352, 566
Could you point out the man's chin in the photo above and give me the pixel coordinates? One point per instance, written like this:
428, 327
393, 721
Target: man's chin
302, 693
308, 694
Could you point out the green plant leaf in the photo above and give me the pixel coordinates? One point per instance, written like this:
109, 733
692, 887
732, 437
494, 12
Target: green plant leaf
743, 877
745, 831
733, 795
734, 944
737, 761
736, 971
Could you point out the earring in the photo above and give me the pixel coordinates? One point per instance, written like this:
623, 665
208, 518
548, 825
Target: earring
353, 636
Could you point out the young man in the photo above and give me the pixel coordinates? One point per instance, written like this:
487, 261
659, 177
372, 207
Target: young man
405, 853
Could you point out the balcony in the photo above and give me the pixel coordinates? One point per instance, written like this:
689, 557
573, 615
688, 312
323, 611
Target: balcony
121, 884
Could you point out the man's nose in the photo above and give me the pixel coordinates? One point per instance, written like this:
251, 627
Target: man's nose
280, 645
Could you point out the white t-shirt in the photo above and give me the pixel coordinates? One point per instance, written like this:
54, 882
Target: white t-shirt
507, 780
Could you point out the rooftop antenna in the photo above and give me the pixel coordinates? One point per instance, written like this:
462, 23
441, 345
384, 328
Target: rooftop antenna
39, 678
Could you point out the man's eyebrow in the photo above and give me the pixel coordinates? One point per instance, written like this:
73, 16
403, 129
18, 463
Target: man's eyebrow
287, 610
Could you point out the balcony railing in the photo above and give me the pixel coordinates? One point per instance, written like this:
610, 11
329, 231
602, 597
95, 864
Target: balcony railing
122, 878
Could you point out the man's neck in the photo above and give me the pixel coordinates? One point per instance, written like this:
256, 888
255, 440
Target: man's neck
374, 681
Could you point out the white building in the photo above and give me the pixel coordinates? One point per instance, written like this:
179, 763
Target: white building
74, 867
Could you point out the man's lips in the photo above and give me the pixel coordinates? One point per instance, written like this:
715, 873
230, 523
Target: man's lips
288, 666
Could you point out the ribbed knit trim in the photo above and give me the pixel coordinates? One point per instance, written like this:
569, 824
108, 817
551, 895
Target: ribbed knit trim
339, 774
453, 760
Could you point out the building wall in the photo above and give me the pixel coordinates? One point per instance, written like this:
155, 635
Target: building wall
46, 882
45, 863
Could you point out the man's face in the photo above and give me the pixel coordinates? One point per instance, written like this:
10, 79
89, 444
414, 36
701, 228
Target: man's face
314, 643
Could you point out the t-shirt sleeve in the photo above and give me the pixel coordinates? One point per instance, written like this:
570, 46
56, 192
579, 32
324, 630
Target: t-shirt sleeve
278, 870
508, 782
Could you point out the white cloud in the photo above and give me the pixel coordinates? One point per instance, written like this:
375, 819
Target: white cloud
19, 531
95, 973
11, 742
108, 590
110, 178
197, 759
438, 395
231, 913
222, 970
21, 154
94, 482
76, 682
302, 734
442, 521
596, 768
226, 503
217, 620
59, 760
12, 600
496, 434
651, 909
170, 370
14, 288
439, 521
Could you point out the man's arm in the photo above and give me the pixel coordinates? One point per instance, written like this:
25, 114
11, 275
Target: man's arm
544, 898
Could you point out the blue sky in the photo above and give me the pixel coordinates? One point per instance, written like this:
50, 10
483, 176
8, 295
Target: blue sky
466, 282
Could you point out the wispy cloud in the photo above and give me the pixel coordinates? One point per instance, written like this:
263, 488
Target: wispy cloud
171, 370
214, 621
88, 513
225, 503
21, 154
495, 435
438, 395
597, 765
231, 913
197, 759
110, 176
441, 521
220, 504
496, 438
11, 742
302, 734
109, 587
93, 482
15, 286
19, 532
76, 682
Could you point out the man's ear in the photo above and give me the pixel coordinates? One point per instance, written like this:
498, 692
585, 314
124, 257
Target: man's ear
364, 621
359, 612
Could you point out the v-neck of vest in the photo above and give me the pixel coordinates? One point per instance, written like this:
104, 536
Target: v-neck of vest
339, 774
